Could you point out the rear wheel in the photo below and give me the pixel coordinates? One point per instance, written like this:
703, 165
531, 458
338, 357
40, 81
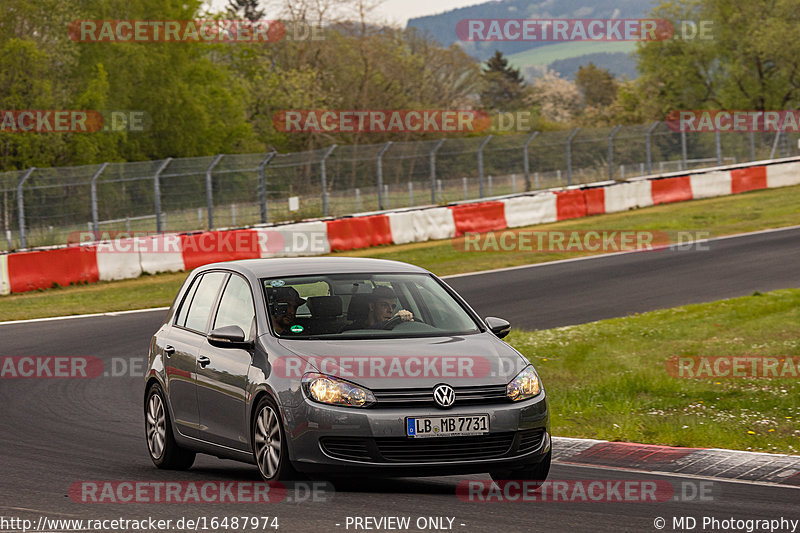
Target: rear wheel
269, 443
164, 451
535, 475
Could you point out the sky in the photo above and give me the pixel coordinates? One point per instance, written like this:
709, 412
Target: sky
399, 11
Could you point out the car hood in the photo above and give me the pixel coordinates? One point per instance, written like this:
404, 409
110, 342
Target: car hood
470, 360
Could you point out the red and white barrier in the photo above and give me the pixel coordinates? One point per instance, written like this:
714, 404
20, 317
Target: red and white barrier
5, 286
422, 225
359, 232
129, 258
668, 190
118, 260
748, 179
161, 253
625, 196
478, 217
710, 184
43, 269
595, 200
294, 240
783, 175
529, 210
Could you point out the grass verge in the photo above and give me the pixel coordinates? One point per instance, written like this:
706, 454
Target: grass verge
720, 216
609, 380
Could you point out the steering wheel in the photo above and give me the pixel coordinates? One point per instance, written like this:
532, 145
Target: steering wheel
392, 322
397, 320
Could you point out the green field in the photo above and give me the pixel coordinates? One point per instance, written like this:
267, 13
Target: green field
609, 380
728, 215
544, 55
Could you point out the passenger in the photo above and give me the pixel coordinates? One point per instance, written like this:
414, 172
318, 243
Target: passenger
285, 301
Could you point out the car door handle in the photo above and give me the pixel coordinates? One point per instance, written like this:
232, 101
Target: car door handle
169, 350
204, 361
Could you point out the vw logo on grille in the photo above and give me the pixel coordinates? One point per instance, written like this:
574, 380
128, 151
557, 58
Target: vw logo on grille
444, 395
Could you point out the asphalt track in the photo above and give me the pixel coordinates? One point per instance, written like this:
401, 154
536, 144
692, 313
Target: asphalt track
56, 432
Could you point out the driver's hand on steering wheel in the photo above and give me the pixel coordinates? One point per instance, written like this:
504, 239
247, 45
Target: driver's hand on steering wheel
404, 315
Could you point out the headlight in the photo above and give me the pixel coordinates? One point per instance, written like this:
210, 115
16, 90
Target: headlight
335, 391
525, 385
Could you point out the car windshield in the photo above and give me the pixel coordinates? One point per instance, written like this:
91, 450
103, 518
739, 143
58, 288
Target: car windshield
344, 306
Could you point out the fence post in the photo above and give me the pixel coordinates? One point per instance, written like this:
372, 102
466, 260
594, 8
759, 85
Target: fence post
210, 191
480, 164
323, 176
157, 193
93, 192
526, 162
379, 162
411, 193
719, 147
569, 155
752, 145
775, 144
683, 150
432, 161
648, 151
262, 186
23, 243
611, 151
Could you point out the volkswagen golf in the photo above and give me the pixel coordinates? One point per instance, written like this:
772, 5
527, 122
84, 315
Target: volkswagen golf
326, 365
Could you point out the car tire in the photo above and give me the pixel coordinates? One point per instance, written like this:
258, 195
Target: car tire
536, 474
270, 449
164, 451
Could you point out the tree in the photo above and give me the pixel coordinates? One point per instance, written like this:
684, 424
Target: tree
247, 9
504, 86
748, 59
598, 85
558, 99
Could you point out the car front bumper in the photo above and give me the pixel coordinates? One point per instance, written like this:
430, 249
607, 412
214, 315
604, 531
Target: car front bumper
333, 439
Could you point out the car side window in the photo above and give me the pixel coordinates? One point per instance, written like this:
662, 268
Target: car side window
187, 301
203, 301
236, 306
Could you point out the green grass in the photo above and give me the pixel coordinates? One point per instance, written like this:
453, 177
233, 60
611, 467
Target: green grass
721, 216
608, 379
544, 55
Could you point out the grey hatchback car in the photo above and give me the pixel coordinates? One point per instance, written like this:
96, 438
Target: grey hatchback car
326, 365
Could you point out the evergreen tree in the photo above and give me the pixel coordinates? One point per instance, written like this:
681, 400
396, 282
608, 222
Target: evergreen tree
504, 86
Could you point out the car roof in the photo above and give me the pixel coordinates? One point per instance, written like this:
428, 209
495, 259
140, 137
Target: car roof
301, 266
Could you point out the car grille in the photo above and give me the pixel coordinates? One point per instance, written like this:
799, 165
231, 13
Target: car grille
423, 397
432, 450
404, 450
530, 439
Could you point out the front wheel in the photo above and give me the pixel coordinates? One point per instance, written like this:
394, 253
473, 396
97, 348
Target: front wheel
269, 443
164, 451
537, 474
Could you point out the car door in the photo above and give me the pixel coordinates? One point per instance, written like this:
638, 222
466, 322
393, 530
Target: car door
222, 372
182, 346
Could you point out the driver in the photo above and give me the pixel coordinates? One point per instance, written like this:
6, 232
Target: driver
381, 307
286, 301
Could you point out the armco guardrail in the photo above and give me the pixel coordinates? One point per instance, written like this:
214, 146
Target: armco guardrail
129, 258
44, 206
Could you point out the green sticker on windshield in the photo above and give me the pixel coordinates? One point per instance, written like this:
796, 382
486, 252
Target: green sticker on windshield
296, 329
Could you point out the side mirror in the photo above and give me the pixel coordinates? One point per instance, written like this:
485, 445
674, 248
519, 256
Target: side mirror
228, 337
498, 326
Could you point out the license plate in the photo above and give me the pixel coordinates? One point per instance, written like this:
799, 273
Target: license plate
447, 426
